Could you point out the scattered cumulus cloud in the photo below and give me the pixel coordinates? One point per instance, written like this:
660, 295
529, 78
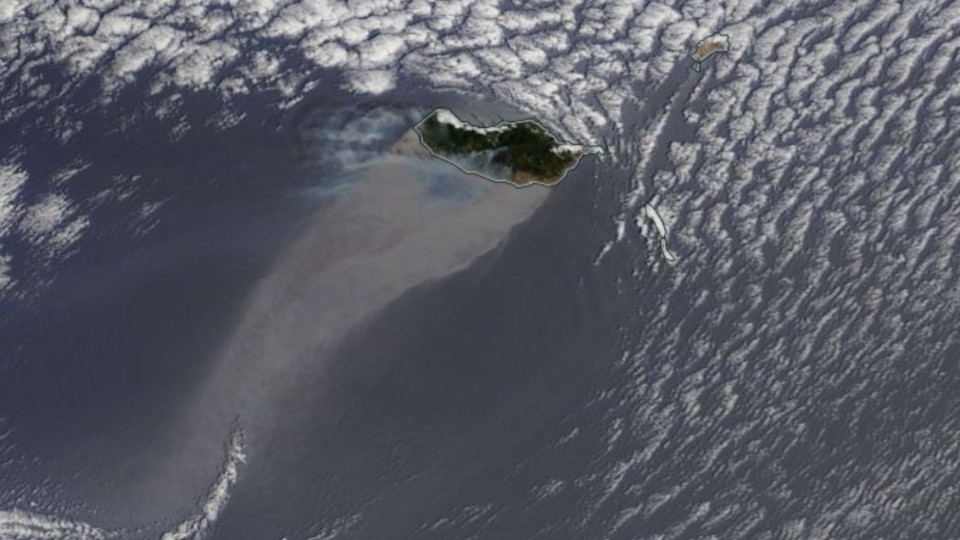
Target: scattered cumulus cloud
12, 180
574, 50
825, 132
53, 223
5, 278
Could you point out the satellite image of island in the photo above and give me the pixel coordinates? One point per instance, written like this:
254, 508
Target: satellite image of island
709, 46
479, 270
519, 152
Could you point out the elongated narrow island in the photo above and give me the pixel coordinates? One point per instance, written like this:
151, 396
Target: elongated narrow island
521, 153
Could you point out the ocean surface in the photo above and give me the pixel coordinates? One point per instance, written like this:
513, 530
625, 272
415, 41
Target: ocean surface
231, 308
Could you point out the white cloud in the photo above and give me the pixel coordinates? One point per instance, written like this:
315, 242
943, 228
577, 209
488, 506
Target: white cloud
198, 66
20, 525
158, 41
5, 278
197, 526
53, 224
372, 82
82, 19
12, 180
45, 216
454, 43
381, 51
822, 131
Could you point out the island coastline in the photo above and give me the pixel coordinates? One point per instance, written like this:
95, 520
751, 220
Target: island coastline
526, 179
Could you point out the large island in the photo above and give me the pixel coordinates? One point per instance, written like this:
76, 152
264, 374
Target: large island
521, 153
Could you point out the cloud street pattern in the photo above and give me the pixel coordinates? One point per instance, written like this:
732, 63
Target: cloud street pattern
821, 149
869, 80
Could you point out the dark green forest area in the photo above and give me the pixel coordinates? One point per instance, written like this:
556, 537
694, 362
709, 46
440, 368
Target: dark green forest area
524, 147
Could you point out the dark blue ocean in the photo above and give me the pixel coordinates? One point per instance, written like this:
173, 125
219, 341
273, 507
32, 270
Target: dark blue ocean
266, 331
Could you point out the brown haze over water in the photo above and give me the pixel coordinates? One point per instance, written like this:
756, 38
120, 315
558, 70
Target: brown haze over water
402, 221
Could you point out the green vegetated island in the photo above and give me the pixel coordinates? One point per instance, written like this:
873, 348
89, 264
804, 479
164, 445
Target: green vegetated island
521, 153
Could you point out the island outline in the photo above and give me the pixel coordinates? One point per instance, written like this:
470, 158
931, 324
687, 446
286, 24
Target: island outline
716, 42
506, 124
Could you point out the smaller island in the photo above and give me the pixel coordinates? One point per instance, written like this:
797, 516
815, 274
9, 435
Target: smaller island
522, 153
709, 46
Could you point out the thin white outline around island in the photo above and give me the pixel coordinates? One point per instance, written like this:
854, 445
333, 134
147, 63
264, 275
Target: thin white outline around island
697, 65
592, 149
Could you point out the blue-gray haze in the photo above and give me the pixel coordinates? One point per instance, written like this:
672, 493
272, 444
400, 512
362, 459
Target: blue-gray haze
214, 323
